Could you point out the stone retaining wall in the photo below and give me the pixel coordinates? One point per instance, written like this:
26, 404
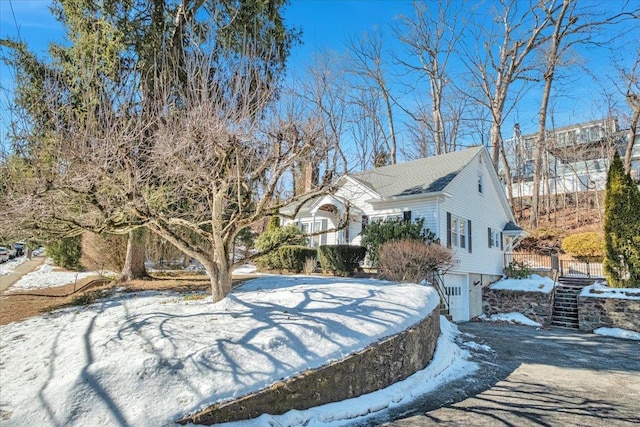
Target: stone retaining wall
537, 306
594, 313
371, 369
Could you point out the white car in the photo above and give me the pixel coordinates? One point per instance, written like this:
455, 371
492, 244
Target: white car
4, 254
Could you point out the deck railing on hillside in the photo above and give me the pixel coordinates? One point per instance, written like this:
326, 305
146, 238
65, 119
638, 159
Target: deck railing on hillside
581, 269
532, 260
550, 262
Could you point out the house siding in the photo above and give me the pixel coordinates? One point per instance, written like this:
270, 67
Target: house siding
483, 209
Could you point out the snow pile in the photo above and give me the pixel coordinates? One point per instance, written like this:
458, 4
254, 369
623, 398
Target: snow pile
246, 269
534, 283
618, 333
149, 358
46, 276
8, 267
514, 318
598, 290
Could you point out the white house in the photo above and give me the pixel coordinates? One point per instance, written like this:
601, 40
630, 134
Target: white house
461, 199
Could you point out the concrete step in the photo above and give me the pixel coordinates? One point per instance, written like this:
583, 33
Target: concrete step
565, 325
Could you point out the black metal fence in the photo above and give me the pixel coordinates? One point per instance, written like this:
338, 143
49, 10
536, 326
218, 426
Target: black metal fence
532, 260
550, 262
580, 268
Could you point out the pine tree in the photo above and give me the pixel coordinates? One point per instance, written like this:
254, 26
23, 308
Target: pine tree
621, 228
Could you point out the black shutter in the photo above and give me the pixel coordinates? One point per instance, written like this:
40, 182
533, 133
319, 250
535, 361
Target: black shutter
407, 216
501, 246
365, 222
470, 236
490, 238
449, 229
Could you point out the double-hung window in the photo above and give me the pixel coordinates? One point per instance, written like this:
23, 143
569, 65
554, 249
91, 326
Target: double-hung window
458, 232
495, 238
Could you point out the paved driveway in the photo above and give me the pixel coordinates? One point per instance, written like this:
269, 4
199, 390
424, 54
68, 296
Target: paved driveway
533, 377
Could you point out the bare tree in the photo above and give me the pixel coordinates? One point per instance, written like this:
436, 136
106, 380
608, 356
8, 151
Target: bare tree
366, 62
632, 95
570, 25
502, 60
433, 37
325, 91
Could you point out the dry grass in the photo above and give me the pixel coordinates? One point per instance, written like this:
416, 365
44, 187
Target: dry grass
20, 306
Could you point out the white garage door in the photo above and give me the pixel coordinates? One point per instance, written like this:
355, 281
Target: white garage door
457, 288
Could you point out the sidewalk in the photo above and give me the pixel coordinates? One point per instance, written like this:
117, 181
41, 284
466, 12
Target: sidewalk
24, 268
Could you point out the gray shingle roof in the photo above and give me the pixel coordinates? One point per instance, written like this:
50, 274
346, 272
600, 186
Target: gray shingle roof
428, 175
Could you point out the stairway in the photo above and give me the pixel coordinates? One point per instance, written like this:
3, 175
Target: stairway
565, 301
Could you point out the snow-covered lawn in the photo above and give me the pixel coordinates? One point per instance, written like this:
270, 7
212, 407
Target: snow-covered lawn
533, 283
48, 276
7, 268
149, 358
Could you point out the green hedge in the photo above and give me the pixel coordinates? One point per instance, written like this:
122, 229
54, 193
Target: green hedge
66, 252
341, 260
271, 240
292, 258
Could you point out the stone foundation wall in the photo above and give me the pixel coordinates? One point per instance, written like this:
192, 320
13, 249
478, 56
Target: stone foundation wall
371, 369
594, 313
537, 306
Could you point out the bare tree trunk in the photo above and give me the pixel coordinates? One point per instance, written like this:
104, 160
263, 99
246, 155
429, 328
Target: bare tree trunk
560, 27
631, 137
134, 267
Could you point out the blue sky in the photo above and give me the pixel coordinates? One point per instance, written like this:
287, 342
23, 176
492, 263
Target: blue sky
326, 24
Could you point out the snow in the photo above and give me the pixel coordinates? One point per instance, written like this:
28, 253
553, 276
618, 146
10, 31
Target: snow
599, 290
534, 283
516, 318
9, 266
149, 358
618, 333
46, 276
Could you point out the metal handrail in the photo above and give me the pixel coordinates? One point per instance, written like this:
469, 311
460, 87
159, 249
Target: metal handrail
438, 284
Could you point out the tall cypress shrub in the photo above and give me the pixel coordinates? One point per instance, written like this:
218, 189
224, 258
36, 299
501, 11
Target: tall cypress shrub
621, 228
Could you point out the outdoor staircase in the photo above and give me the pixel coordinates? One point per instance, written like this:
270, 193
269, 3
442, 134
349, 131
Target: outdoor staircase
565, 301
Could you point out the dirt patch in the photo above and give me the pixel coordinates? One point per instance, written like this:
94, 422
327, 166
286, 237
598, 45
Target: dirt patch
23, 305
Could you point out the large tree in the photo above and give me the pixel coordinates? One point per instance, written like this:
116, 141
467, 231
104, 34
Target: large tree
142, 75
621, 228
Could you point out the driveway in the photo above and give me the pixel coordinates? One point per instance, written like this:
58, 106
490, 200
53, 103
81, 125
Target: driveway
534, 377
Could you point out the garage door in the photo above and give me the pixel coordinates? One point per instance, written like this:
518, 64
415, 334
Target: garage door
457, 288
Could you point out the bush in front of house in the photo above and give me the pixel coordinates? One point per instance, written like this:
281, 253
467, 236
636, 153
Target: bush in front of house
410, 260
584, 245
517, 270
271, 240
378, 233
293, 258
66, 252
341, 260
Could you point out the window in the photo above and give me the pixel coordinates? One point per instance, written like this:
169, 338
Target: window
458, 232
365, 222
479, 183
495, 238
321, 239
319, 225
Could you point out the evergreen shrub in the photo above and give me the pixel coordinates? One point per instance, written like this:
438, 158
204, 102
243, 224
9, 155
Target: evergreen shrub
378, 233
517, 270
66, 252
586, 245
293, 258
272, 239
341, 260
